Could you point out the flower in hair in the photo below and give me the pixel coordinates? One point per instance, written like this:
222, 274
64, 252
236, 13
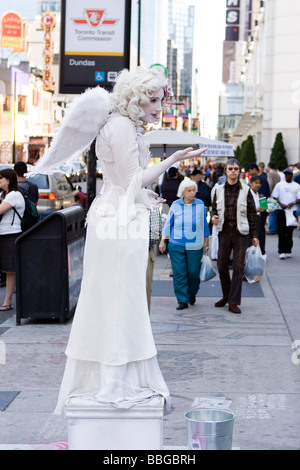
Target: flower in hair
167, 92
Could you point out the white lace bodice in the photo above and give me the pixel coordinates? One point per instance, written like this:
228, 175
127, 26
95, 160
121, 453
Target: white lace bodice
123, 155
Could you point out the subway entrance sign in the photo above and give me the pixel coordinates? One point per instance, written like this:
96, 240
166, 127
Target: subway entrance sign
95, 43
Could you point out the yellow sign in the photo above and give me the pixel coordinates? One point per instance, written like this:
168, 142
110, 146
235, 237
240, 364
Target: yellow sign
12, 31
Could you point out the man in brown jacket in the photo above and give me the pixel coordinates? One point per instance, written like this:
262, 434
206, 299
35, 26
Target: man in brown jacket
234, 214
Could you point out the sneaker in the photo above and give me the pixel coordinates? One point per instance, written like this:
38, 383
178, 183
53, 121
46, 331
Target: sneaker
288, 255
282, 256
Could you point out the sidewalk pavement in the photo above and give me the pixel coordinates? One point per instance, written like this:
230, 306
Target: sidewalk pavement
207, 355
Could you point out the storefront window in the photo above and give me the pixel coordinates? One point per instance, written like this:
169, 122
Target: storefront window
21, 104
7, 104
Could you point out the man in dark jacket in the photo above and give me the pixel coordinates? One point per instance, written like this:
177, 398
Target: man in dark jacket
170, 185
204, 190
28, 189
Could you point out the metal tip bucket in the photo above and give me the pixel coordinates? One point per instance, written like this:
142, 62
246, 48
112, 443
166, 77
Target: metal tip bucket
209, 429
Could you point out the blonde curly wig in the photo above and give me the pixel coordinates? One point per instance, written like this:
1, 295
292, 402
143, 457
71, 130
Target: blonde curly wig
135, 89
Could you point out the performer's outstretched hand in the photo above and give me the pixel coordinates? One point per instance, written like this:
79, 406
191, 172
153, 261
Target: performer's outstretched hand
187, 153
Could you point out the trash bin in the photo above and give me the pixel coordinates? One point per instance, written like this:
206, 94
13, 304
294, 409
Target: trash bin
49, 265
209, 429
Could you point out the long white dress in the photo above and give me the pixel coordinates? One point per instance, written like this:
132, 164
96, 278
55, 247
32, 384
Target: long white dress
111, 355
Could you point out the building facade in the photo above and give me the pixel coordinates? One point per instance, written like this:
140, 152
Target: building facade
268, 69
26, 114
167, 35
166, 38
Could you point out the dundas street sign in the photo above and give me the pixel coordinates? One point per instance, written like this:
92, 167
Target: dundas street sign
95, 42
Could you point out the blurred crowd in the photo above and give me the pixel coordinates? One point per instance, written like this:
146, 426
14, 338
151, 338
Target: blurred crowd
211, 174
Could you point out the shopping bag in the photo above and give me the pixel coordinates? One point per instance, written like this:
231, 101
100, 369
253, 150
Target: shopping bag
291, 220
255, 263
207, 271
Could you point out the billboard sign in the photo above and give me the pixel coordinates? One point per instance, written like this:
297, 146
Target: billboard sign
232, 20
12, 31
48, 24
95, 43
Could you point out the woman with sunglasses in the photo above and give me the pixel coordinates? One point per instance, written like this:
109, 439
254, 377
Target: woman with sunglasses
234, 215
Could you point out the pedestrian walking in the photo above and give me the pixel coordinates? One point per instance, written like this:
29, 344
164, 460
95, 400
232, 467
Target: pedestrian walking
155, 232
28, 188
252, 169
10, 229
255, 183
287, 194
297, 180
273, 178
234, 214
111, 355
170, 187
187, 230
203, 190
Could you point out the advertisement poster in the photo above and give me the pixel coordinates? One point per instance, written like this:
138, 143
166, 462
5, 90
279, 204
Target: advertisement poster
12, 31
95, 43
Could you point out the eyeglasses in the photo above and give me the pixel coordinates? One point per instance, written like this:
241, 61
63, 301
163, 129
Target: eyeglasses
233, 168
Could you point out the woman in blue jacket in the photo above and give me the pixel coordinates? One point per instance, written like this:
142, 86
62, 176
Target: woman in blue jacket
187, 230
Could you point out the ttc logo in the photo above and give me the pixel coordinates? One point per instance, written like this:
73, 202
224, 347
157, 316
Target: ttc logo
95, 18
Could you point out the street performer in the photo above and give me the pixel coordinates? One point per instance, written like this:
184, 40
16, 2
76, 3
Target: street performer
111, 355
234, 215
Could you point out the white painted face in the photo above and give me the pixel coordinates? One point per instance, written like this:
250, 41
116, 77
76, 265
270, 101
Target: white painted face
154, 108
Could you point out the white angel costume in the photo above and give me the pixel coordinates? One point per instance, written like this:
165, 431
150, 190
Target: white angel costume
111, 355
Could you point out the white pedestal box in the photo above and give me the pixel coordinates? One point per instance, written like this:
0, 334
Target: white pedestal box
96, 426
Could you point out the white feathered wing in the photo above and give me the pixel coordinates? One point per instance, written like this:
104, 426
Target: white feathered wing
80, 127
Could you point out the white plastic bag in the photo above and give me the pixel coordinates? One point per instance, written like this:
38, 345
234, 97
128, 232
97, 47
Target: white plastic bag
207, 271
291, 220
255, 263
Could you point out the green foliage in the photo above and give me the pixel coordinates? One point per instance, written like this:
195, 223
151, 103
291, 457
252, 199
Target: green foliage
278, 153
247, 154
237, 152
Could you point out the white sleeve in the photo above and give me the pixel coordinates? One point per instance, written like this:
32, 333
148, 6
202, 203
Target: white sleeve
11, 198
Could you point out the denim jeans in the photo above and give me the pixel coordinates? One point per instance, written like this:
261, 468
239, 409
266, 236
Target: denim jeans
273, 226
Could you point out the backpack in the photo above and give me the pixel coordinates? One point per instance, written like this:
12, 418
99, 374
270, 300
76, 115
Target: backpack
30, 216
